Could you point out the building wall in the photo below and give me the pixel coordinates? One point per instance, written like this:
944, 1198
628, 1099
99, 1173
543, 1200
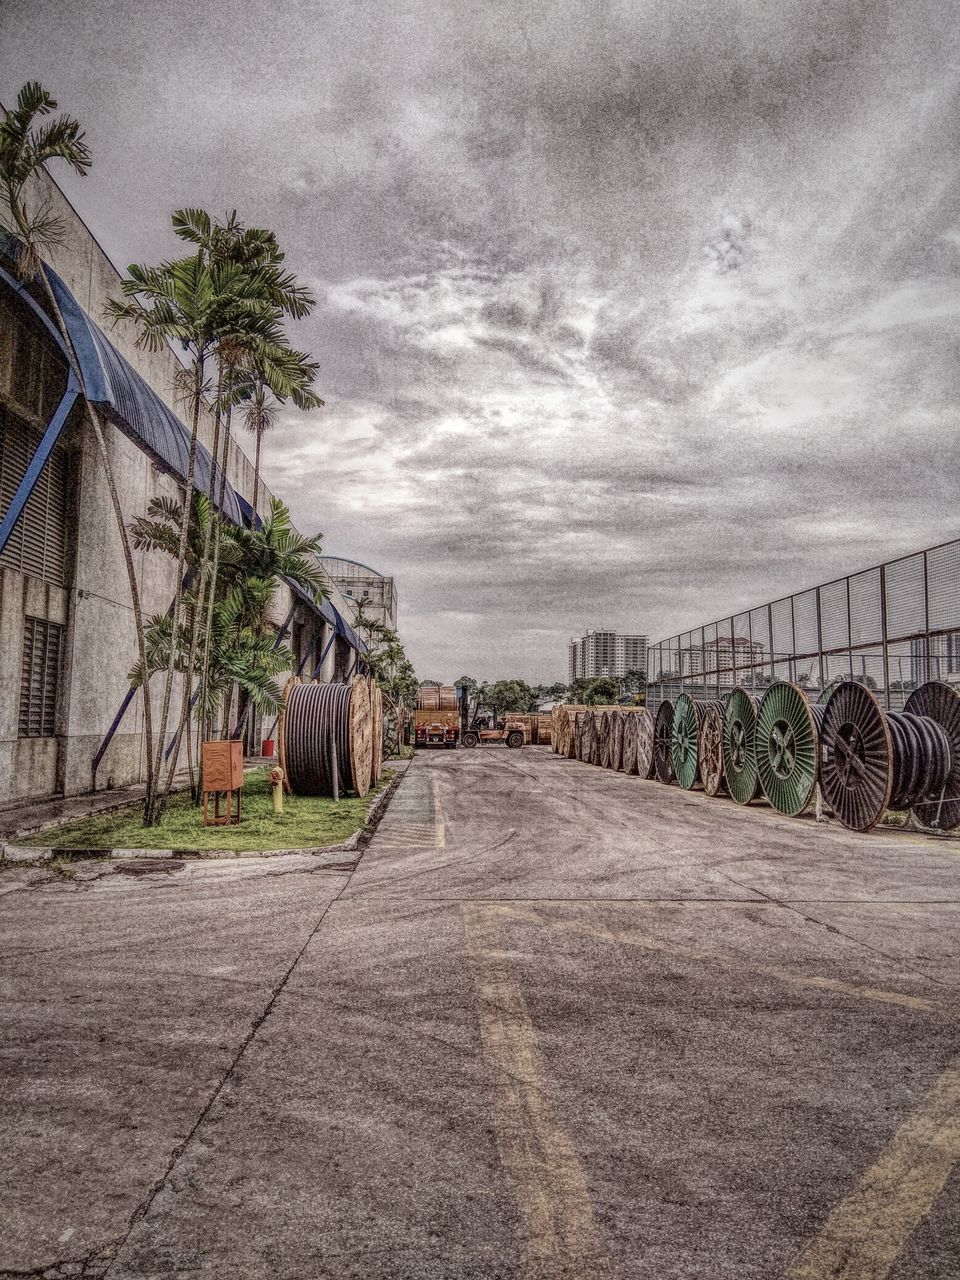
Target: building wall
358, 582
93, 604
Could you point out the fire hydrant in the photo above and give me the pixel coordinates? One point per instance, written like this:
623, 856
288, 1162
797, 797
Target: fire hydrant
276, 786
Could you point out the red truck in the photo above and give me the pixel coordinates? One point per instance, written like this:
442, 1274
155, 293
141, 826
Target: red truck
435, 728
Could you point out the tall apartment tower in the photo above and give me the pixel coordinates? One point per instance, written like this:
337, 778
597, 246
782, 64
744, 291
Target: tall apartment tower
605, 653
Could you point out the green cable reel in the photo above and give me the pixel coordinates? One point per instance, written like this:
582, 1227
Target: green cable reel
740, 746
688, 714
788, 747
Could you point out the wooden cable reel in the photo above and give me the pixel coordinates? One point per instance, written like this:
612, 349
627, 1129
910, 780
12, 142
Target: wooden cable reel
587, 738
604, 731
620, 719
628, 751
579, 721
326, 738
711, 750
376, 729
645, 742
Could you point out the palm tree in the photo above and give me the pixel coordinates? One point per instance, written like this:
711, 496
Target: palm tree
253, 563
259, 417
198, 304
262, 387
241, 362
24, 150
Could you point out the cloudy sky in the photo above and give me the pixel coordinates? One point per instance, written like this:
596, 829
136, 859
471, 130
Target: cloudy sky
632, 314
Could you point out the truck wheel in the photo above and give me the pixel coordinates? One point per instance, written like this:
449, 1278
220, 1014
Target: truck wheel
469, 740
515, 739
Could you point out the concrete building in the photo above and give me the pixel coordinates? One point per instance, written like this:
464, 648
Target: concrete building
358, 582
723, 655
67, 639
605, 653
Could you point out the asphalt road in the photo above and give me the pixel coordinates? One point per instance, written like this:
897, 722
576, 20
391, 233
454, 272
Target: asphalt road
556, 1023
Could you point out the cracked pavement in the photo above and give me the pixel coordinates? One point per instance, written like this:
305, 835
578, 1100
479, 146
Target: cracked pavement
557, 1022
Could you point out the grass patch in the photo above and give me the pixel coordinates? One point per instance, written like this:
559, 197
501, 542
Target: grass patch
306, 822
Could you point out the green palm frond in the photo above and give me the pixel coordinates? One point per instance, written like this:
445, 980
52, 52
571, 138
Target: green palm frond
23, 152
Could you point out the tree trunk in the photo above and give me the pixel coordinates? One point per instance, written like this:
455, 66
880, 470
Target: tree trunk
256, 470
153, 813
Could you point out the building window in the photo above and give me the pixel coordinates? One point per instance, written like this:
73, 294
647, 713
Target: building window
40, 677
38, 544
33, 376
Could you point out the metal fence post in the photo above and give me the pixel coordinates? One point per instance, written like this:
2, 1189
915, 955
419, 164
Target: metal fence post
884, 644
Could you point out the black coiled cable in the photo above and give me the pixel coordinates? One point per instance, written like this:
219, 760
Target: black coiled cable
921, 759
317, 739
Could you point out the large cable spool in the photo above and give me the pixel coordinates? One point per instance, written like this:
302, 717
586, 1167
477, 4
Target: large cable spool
579, 720
604, 731
663, 728
940, 703
740, 746
645, 738
327, 738
628, 752
376, 729
688, 719
616, 739
588, 738
711, 750
787, 747
856, 762
684, 734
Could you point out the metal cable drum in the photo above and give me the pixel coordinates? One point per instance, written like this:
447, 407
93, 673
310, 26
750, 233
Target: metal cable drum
603, 739
787, 747
941, 703
740, 746
711, 750
856, 756
328, 743
688, 717
628, 752
645, 742
663, 727
616, 740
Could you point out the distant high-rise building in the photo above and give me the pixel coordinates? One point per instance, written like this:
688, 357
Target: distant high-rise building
605, 653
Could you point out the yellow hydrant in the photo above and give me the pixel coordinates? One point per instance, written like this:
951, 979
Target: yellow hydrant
276, 786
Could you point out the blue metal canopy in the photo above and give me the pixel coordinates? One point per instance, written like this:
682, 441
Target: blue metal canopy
111, 381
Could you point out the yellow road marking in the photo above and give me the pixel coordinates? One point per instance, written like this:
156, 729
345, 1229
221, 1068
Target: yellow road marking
559, 1232
863, 1236
836, 985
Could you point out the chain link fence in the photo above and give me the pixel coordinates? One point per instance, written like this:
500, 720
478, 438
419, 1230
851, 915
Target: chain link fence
892, 628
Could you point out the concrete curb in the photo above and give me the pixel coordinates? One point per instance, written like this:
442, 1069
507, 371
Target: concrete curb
26, 855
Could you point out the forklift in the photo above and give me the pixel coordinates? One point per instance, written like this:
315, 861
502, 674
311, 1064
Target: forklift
488, 728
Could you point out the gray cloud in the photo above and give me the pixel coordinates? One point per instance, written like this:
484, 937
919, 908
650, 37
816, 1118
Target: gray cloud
630, 315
